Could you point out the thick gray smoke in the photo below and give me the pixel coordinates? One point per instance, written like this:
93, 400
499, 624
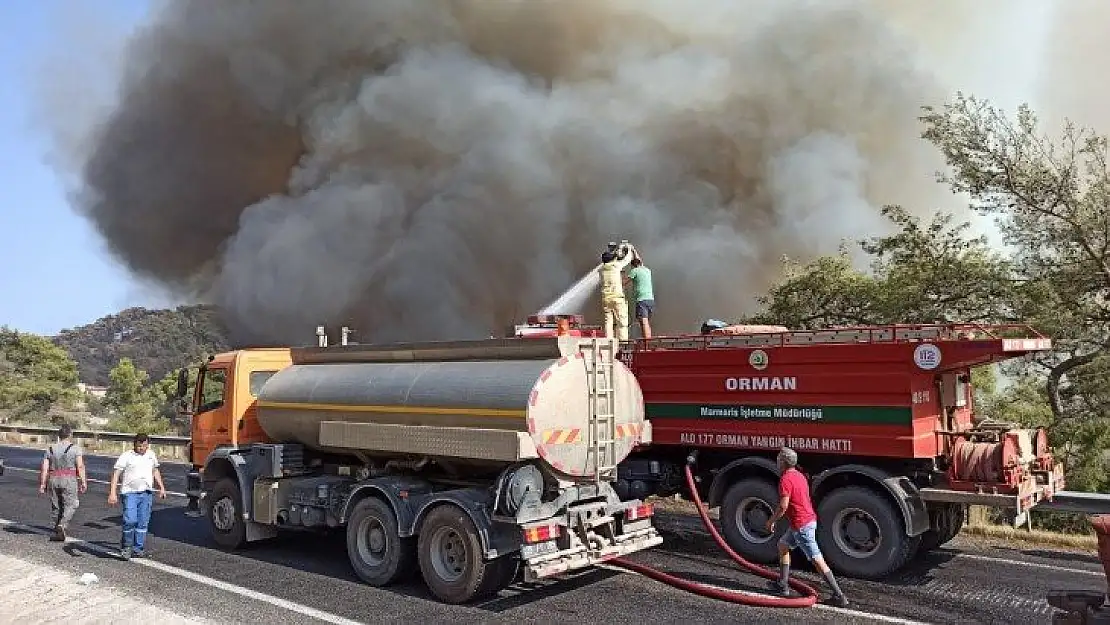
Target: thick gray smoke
1071, 84
440, 169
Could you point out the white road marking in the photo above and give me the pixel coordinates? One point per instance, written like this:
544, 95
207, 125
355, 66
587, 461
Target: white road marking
1035, 565
845, 611
105, 482
284, 604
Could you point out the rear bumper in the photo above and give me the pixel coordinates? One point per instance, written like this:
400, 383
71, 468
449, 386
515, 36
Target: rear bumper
549, 564
1035, 488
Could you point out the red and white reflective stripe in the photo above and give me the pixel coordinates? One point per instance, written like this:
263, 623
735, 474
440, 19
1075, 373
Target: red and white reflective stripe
628, 430
641, 511
541, 533
64, 472
559, 437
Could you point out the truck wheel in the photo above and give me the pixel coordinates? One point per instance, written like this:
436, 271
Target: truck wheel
861, 534
744, 512
451, 558
945, 520
225, 515
377, 552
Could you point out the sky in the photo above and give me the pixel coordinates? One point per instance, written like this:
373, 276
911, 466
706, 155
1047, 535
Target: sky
60, 275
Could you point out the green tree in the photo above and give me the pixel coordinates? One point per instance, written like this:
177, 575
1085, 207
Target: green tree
919, 274
163, 395
1051, 202
36, 376
130, 401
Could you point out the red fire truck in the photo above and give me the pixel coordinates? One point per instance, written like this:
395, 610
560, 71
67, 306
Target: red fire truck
883, 419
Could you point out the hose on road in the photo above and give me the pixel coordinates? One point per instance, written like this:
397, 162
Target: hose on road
809, 594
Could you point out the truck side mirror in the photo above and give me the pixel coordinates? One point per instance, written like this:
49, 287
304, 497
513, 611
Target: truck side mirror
182, 382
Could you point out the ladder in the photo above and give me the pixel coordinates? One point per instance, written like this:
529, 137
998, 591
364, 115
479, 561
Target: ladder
603, 426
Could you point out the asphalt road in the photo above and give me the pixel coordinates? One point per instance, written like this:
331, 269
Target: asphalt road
303, 578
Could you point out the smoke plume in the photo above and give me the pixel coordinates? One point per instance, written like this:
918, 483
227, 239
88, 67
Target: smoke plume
440, 169
1075, 48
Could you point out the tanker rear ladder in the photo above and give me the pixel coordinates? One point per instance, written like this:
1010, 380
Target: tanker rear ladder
897, 333
602, 399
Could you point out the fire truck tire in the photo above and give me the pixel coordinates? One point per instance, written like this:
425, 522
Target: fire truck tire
451, 562
862, 534
378, 554
744, 511
225, 515
946, 521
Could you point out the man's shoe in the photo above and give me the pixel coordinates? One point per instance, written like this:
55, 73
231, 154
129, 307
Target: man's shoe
62, 534
780, 589
125, 553
57, 536
839, 601
139, 554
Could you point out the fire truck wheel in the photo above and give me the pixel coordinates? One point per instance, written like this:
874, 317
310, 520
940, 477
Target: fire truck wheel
377, 552
861, 534
225, 515
744, 512
451, 559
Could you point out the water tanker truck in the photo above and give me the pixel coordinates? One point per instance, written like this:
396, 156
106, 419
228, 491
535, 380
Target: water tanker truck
466, 461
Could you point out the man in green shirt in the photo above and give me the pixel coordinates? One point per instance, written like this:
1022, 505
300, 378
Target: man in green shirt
640, 277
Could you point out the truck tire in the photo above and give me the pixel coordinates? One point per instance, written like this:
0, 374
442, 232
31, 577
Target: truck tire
225, 515
945, 520
451, 559
375, 548
744, 512
861, 534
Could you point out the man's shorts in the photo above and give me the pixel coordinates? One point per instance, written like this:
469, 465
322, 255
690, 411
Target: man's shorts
806, 538
644, 308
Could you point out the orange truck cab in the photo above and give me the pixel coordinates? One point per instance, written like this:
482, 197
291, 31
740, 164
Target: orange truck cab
224, 401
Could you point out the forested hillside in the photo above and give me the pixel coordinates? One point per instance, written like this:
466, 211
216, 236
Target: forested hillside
156, 341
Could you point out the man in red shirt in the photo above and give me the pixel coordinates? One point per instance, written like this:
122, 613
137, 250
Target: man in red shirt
794, 502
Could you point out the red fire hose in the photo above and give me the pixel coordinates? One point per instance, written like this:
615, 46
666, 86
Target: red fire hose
808, 599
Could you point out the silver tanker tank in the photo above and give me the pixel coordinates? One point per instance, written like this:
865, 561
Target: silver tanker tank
487, 402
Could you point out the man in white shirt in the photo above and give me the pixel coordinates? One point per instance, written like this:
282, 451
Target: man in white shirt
136, 473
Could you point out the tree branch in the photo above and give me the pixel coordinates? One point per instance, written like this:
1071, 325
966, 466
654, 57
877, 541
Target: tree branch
1052, 384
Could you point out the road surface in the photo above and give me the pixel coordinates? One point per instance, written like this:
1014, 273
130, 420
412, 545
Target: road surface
299, 578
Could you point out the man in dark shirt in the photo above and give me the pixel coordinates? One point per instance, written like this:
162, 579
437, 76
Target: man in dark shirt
795, 503
63, 473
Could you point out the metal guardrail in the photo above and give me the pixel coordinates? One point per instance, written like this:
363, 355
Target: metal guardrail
1078, 502
94, 435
